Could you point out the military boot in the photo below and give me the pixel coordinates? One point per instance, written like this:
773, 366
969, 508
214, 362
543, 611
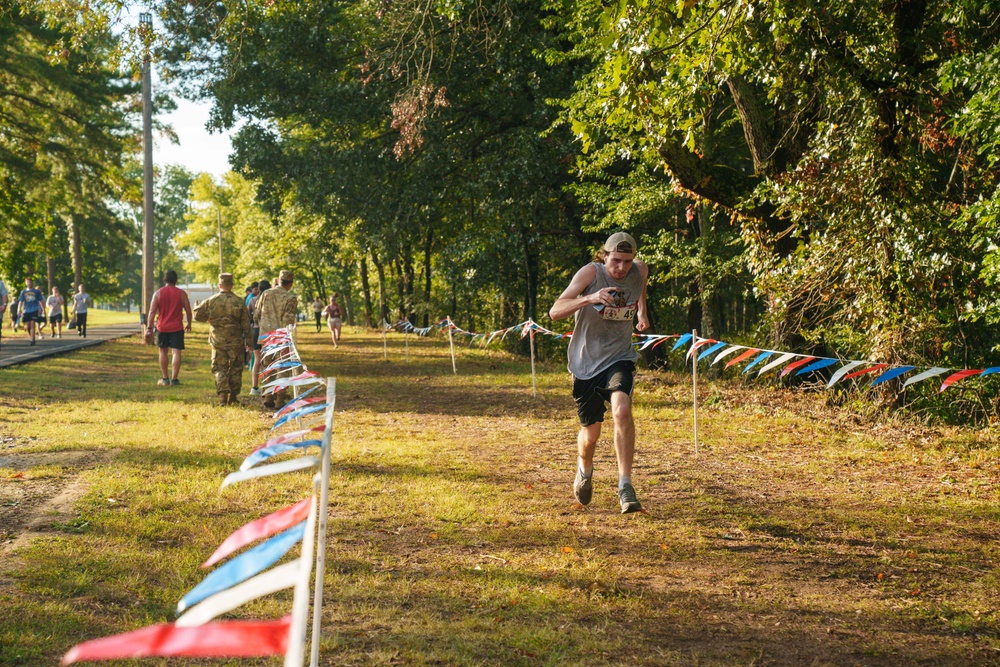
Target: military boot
223, 400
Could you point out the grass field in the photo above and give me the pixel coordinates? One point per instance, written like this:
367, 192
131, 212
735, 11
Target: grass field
800, 535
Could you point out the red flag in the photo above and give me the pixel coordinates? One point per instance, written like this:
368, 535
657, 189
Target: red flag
795, 364
870, 369
224, 639
955, 377
746, 355
273, 523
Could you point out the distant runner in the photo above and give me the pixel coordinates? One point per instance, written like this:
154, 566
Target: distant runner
81, 302
30, 300
606, 297
55, 305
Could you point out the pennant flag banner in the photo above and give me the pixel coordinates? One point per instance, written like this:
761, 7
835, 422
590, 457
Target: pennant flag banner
801, 364
228, 639
268, 470
253, 573
300, 376
788, 363
244, 566
263, 454
301, 412
297, 403
273, 523
288, 437
272, 581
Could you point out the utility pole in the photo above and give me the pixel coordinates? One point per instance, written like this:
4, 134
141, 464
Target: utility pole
146, 33
218, 213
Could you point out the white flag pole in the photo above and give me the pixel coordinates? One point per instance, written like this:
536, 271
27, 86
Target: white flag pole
324, 497
534, 388
451, 343
295, 653
694, 384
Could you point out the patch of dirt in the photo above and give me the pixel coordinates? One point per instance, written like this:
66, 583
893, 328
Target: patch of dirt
30, 506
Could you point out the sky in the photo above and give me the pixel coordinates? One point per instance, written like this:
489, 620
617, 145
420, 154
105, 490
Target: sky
198, 150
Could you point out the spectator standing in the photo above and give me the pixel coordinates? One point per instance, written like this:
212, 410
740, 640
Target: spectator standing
30, 300
166, 313
317, 312
55, 304
334, 319
81, 303
255, 345
229, 335
276, 308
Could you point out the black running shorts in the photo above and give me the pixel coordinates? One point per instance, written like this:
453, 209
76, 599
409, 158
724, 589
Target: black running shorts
174, 340
591, 395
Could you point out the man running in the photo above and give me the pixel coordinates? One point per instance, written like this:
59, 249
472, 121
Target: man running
81, 302
30, 300
170, 304
605, 297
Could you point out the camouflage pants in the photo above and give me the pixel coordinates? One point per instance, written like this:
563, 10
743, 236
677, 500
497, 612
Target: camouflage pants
227, 364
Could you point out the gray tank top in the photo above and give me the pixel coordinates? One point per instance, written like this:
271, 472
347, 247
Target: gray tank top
601, 338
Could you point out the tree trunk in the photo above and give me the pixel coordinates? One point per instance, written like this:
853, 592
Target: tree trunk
408, 275
76, 252
530, 271
383, 298
428, 246
397, 273
320, 285
50, 272
366, 292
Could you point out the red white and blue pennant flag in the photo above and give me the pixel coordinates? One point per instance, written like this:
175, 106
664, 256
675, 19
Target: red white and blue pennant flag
802, 364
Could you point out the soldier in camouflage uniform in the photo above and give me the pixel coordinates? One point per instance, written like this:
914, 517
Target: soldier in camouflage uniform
276, 308
229, 336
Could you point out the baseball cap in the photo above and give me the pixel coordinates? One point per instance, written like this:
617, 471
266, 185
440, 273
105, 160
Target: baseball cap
621, 242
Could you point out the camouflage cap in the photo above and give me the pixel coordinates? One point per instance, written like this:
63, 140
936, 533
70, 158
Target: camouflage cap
285, 275
226, 278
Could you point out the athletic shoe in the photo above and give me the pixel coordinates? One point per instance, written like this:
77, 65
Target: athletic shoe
163, 382
255, 391
629, 502
583, 488
174, 382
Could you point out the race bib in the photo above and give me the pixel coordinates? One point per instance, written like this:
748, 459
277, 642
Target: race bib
621, 313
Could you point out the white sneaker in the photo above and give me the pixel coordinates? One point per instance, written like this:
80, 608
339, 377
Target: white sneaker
255, 391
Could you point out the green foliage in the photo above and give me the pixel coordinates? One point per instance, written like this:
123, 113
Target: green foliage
66, 133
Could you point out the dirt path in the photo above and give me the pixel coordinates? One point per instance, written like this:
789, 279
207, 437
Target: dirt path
38, 492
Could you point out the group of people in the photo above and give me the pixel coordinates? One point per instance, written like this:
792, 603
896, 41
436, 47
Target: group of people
606, 299
235, 326
33, 310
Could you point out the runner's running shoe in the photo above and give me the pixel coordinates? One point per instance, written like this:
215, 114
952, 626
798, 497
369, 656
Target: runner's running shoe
583, 488
629, 502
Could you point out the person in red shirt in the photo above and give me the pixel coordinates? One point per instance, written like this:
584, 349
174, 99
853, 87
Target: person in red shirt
169, 304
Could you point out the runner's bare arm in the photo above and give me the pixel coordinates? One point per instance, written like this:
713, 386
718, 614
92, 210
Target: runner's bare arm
570, 300
154, 308
187, 309
642, 316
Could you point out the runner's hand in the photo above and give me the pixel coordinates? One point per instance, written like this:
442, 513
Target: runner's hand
604, 296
